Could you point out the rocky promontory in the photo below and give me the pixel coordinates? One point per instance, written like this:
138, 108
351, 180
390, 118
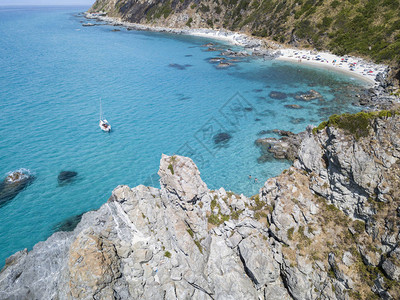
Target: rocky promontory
326, 228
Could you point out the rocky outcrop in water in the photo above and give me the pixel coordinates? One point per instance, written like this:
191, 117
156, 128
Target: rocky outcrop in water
380, 97
310, 95
287, 147
326, 228
13, 184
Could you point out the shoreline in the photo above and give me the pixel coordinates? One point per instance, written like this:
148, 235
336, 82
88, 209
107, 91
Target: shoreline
234, 38
370, 81
349, 65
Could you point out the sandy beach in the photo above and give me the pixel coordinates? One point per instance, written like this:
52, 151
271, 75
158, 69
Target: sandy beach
350, 65
353, 66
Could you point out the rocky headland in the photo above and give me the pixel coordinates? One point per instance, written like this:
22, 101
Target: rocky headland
326, 228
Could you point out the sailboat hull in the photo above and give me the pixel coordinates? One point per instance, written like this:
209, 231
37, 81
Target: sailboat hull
105, 126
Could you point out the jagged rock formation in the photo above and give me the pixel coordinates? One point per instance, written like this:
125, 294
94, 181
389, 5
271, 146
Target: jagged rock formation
327, 228
287, 147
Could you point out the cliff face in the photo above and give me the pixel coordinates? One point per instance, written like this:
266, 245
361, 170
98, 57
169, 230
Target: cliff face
368, 28
327, 228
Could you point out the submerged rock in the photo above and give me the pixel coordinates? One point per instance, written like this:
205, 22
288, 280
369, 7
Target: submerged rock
293, 106
179, 67
221, 138
283, 132
216, 59
264, 132
267, 112
66, 177
297, 120
184, 98
310, 95
13, 184
68, 224
222, 65
278, 95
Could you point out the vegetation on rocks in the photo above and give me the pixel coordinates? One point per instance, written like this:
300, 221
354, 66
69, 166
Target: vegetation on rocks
171, 168
362, 235
217, 219
357, 124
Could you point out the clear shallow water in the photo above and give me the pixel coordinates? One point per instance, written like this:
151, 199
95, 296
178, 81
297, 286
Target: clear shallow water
53, 73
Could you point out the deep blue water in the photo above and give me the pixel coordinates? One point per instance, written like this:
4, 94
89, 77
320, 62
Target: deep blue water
161, 95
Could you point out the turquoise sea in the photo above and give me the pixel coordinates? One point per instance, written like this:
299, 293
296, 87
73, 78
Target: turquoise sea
161, 95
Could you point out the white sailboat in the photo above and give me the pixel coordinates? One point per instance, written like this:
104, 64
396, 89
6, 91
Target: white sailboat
104, 125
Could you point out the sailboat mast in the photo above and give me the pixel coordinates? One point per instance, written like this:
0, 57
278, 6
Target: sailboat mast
100, 109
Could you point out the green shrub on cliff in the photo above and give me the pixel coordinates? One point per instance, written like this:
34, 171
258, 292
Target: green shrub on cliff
290, 233
156, 11
171, 168
357, 124
204, 8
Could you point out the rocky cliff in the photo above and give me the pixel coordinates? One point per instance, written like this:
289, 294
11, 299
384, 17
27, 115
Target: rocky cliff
326, 228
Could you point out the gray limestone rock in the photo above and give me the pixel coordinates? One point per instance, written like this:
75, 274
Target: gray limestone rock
391, 267
148, 243
298, 285
180, 176
258, 260
25, 273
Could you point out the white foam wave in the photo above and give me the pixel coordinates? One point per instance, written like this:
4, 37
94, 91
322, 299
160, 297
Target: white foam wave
23, 174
